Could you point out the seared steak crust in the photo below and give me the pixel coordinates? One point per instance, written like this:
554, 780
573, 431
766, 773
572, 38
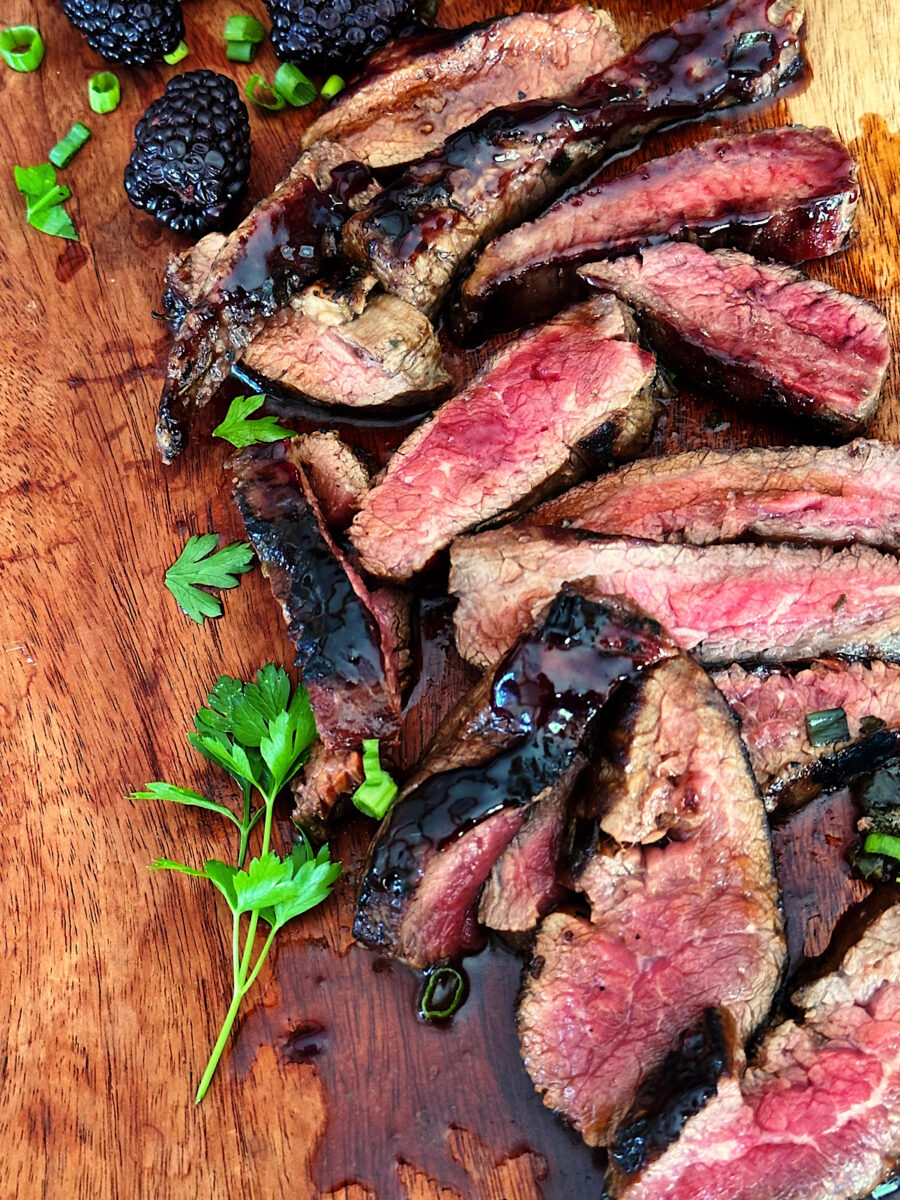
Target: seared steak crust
728, 604
336, 474
788, 194
423, 230
761, 331
513, 432
803, 494
417, 91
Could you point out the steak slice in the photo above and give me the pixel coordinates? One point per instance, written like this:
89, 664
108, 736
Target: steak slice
760, 331
803, 494
336, 474
677, 927
417, 91
514, 432
817, 1114
726, 603
526, 726
275, 251
345, 640
425, 228
789, 194
772, 707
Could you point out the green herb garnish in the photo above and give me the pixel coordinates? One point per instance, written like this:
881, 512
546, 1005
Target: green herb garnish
44, 200
260, 735
443, 993
882, 843
263, 95
296, 88
66, 149
243, 28
181, 51
376, 793
22, 47
827, 726
104, 92
240, 51
332, 85
238, 430
197, 567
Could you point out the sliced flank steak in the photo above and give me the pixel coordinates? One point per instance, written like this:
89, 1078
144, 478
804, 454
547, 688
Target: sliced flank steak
417, 91
732, 603
522, 426
789, 194
761, 332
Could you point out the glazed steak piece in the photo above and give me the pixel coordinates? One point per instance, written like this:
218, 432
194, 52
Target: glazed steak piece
789, 194
345, 635
803, 494
417, 91
336, 474
760, 331
684, 909
727, 604
517, 739
513, 432
817, 1114
425, 228
772, 707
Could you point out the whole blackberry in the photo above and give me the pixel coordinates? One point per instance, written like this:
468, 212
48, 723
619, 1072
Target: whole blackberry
134, 34
335, 35
191, 157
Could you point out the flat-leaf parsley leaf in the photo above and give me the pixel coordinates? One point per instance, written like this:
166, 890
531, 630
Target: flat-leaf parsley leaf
197, 567
237, 429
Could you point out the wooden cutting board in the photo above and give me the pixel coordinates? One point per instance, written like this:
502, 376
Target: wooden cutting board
114, 980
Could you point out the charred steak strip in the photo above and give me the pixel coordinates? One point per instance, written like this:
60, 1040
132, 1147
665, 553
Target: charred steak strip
677, 926
447, 829
726, 603
336, 474
425, 228
772, 707
514, 431
417, 91
818, 1112
277, 249
760, 331
803, 494
789, 194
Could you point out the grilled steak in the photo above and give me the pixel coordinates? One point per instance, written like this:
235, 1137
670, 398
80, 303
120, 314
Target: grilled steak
676, 927
726, 603
762, 332
186, 275
277, 249
817, 1114
789, 194
513, 432
426, 227
336, 474
804, 494
345, 635
772, 707
417, 91
526, 726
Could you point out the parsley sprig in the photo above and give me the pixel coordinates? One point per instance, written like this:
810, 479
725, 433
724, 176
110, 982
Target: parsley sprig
240, 431
197, 567
260, 735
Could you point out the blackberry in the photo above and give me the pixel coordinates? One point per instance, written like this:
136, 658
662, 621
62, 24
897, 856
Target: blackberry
134, 34
335, 35
191, 157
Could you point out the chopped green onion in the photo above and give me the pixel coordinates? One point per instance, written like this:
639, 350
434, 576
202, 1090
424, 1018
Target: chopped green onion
240, 51
50, 199
64, 151
104, 92
443, 993
377, 790
243, 28
22, 47
182, 50
827, 726
55, 221
332, 85
882, 843
291, 83
35, 181
255, 85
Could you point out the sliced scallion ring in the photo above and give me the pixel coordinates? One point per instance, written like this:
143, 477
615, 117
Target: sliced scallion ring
261, 94
240, 51
882, 843
332, 85
104, 92
827, 726
243, 28
22, 47
291, 83
443, 993
66, 149
181, 51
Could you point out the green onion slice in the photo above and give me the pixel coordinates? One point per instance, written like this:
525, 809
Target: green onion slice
332, 85
66, 149
55, 221
376, 793
827, 726
263, 95
243, 28
104, 92
443, 993
22, 47
291, 83
240, 51
882, 843
182, 50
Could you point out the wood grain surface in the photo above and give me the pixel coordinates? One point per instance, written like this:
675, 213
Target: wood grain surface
114, 980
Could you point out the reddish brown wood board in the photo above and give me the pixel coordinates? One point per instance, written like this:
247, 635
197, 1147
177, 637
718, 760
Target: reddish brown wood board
114, 979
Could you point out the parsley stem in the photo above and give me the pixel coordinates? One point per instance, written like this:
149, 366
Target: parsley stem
246, 824
221, 1041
